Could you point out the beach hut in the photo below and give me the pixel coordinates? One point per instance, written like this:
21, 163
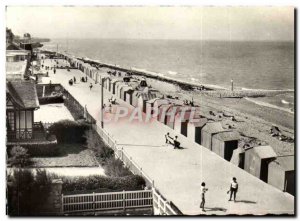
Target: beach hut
282, 174
225, 143
194, 129
157, 103
119, 84
238, 157
135, 95
182, 117
257, 161
208, 131
171, 115
123, 90
129, 95
162, 112
143, 98
149, 106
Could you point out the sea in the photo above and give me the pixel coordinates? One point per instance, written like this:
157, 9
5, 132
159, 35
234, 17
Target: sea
251, 65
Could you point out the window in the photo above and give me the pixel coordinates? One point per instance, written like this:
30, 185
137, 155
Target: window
11, 121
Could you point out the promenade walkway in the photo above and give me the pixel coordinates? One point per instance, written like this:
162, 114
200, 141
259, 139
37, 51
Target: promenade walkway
178, 174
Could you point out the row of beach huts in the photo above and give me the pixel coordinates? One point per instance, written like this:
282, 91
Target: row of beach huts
260, 161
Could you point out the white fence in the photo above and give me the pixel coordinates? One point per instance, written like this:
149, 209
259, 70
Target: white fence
106, 201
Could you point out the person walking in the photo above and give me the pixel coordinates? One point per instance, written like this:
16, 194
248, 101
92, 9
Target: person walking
233, 189
91, 86
74, 79
203, 191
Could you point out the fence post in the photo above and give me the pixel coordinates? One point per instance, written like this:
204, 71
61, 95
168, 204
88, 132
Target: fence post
124, 201
62, 203
94, 205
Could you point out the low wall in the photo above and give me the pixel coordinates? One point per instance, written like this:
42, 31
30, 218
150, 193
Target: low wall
53, 203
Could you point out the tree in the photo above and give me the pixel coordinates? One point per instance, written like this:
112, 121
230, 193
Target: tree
19, 157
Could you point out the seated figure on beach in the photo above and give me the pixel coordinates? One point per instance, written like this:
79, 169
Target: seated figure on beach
175, 142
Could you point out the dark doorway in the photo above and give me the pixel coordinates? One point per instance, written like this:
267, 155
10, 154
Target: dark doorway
198, 135
184, 128
241, 160
290, 182
264, 170
229, 147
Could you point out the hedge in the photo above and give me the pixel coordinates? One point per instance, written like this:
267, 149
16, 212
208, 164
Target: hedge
51, 99
96, 183
68, 131
38, 150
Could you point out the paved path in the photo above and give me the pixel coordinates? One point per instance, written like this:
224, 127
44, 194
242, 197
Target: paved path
178, 173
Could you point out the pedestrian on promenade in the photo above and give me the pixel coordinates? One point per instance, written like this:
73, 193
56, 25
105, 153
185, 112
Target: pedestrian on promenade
85, 78
203, 191
74, 80
54, 70
91, 86
233, 189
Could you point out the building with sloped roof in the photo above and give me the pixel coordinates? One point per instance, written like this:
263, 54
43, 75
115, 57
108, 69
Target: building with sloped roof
282, 173
224, 143
21, 102
257, 161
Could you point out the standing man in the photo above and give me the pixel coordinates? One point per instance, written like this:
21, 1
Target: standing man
203, 191
233, 189
91, 85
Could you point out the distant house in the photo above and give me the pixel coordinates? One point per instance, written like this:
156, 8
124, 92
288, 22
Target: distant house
17, 63
21, 102
257, 161
194, 129
17, 55
208, 131
282, 173
225, 143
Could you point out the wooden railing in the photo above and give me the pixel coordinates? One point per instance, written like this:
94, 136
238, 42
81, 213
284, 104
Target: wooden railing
106, 201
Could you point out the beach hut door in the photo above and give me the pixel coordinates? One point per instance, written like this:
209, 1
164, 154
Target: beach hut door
184, 126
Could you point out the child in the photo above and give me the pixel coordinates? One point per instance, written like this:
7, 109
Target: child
203, 191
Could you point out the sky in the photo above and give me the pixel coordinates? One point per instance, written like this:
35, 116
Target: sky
197, 23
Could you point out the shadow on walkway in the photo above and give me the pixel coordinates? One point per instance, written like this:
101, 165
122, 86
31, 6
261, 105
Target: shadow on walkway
211, 209
245, 201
